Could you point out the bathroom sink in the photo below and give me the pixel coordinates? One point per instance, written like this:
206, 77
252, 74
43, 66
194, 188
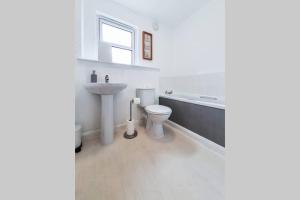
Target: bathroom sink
106, 91
105, 88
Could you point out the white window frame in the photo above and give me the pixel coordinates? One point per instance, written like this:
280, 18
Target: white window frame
112, 22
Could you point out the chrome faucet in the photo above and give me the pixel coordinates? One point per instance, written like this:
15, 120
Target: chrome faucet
106, 78
169, 92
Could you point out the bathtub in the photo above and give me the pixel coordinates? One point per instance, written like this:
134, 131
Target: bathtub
210, 101
203, 115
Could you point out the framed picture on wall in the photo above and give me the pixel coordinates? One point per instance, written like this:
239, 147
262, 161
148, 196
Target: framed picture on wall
147, 45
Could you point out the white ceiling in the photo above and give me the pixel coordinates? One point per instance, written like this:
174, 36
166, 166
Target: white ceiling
170, 12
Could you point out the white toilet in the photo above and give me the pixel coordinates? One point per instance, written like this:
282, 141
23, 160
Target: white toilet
156, 114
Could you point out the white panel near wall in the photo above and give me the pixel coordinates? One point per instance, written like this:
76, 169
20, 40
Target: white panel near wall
199, 42
198, 63
211, 84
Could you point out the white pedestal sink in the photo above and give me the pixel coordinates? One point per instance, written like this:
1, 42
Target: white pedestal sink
106, 90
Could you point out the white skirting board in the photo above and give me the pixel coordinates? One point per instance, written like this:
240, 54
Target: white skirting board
218, 149
119, 126
177, 128
91, 132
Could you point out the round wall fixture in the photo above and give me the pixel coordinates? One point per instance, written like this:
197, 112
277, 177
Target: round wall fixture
155, 26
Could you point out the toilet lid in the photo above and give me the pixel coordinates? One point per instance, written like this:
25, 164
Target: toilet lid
158, 109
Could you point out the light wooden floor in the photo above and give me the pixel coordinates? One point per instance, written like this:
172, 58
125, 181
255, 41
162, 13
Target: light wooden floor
172, 168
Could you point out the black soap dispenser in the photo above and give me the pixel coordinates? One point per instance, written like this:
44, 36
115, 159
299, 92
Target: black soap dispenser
94, 77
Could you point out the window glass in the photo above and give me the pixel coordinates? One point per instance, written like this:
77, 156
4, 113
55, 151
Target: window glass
116, 35
122, 56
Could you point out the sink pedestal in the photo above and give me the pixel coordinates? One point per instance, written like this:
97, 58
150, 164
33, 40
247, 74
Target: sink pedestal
107, 119
106, 91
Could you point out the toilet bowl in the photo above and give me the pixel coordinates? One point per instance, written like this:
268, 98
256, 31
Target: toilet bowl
156, 115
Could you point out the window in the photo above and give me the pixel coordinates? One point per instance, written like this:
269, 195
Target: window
117, 39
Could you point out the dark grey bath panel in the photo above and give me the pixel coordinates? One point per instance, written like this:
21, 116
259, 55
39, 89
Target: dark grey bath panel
206, 121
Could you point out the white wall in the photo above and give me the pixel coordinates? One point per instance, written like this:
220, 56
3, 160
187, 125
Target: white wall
199, 42
190, 58
199, 53
92, 8
87, 106
210, 84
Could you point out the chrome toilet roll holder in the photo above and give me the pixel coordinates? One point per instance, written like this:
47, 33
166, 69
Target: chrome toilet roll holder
126, 135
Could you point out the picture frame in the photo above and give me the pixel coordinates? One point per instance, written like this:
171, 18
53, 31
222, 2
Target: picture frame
147, 45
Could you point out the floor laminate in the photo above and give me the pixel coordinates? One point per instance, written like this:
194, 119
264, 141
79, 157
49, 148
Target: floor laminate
173, 168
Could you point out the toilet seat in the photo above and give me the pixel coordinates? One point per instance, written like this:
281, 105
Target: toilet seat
158, 110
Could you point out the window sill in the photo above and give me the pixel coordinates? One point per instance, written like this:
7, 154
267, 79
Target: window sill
117, 65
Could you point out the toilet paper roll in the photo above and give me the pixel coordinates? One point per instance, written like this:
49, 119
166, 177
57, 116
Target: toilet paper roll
130, 127
136, 100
